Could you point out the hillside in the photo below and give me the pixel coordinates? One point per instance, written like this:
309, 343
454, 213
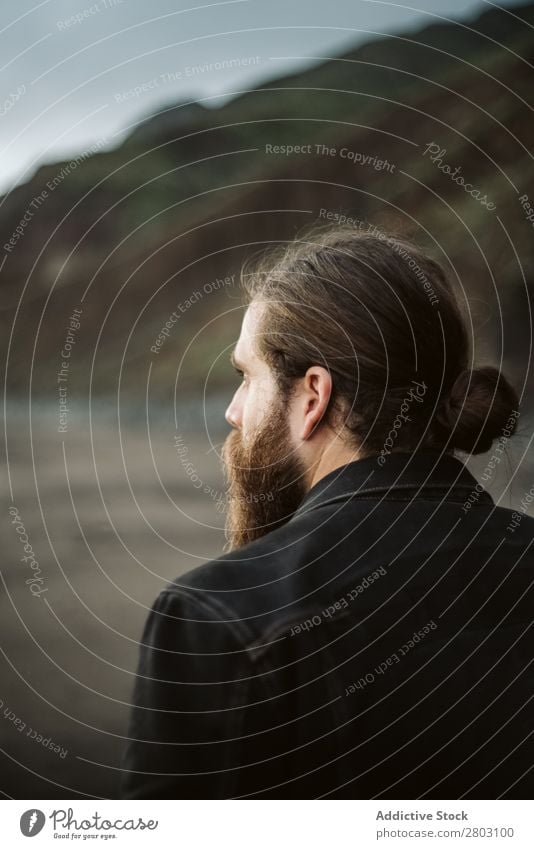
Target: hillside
128, 235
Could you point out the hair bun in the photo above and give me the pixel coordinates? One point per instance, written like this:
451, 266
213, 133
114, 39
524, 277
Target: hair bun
479, 408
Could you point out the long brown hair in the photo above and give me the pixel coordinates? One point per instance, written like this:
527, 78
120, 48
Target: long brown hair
381, 315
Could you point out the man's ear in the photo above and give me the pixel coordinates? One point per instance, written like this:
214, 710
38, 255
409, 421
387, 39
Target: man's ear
312, 400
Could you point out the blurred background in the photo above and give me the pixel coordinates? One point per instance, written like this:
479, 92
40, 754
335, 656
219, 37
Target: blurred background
139, 168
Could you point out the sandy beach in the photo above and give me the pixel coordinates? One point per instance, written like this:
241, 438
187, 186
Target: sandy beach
110, 516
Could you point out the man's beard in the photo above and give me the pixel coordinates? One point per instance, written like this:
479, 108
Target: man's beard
266, 479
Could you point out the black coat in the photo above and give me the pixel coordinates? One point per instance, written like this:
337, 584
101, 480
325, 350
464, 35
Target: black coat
377, 645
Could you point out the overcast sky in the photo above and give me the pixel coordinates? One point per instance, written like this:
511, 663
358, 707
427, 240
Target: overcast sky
68, 82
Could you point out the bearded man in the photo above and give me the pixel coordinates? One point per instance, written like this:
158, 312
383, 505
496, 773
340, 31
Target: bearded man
366, 634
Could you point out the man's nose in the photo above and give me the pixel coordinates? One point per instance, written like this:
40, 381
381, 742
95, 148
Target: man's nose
233, 414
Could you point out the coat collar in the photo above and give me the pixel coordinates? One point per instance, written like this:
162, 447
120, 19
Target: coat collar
423, 473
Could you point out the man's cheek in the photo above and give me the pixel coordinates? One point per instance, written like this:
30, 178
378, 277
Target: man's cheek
253, 412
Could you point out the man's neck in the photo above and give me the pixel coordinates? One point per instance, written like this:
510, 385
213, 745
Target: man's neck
335, 455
